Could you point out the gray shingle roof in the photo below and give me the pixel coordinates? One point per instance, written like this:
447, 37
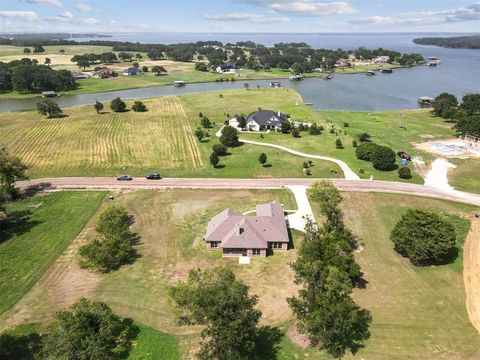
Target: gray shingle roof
267, 117
235, 230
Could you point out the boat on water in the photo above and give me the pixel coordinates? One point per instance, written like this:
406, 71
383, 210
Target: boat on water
295, 77
179, 83
386, 71
425, 100
371, 73
432, 64
328, 77
275, 84
433, 60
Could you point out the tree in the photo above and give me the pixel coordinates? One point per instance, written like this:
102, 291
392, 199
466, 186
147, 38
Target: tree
38, 49
201, 66
286, 127
365, 151
262, 159
139, 106
158, 70
296, 69
295, 133
242, 122
354, 143
114, 244
88, 330
138, 56
444, 102
338, 144
136, 65
49, 108
200, 134
214, 159
205, 122
61, 51
117, 105
468, 125
98, 106
315, 129
26, 51
216, 299
47, 61
229, 136
383, 158
471, 104
83, 64
424, 237
11, 170
145, 69
404, 173
330, 317
220, 149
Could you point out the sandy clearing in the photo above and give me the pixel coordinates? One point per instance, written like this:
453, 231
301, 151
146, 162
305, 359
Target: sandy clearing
471, 273
437, 176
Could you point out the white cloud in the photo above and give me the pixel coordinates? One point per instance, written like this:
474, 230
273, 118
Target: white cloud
373, 20
66, 15
24, 15
89, 21
55, 3
83, 7
248, 17
307, 7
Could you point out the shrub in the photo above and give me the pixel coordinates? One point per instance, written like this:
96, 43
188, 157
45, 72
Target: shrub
295, 133
383, 158
365, 151
354, 143
346, 124
404, 173
338, 144
262, 159
139, 106
199, 134
424, 237
201, 66
315, 129
49, 108
229, 136
118, 105
219, 149
364, 137
145, 68
214, 159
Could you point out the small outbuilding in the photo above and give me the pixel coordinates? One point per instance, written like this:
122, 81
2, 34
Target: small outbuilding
47, 94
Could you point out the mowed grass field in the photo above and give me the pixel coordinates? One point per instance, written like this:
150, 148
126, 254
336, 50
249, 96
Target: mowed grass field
40, 230
84, 143
418, 313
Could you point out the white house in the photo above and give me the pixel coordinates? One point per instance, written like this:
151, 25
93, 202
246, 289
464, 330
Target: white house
381, 59
227, 69
261, 120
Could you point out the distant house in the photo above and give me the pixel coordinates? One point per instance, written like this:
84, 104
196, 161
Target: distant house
132, 71
80, 76
342, 63
227, 68
381, 60
105, 73
47, 94
262, 120
243, 235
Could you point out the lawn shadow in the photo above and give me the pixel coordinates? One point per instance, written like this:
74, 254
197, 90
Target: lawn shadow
291, 244
32, 190
14, 347
268, 343
219, 166
17, 223
267, 165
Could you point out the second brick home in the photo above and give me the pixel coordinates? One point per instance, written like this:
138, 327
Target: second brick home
243, 235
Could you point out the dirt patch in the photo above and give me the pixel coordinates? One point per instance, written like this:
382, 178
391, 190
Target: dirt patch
471, 273
426, 136
451, 148
297, 338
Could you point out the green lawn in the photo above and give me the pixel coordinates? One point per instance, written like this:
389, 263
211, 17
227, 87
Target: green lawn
152, 344
41, 228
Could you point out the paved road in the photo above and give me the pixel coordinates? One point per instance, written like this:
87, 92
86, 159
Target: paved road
207, 183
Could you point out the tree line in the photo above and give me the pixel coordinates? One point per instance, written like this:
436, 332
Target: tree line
27, 75
455, 42
466, 114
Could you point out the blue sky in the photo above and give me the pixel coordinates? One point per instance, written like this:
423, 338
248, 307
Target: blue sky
239, 16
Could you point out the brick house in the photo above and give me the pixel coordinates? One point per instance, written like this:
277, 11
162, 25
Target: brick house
243, 235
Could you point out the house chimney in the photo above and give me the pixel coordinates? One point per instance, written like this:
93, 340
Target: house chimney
278, 113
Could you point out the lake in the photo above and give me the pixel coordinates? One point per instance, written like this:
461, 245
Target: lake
459, 74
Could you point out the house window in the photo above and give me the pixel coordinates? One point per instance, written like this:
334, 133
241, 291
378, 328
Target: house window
256, 252
214, 244
277, 245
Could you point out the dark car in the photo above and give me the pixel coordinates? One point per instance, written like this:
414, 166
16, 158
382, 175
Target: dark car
154, 176
124, 178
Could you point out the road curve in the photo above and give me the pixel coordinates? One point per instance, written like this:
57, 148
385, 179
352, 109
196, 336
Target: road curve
272, 183
348, 173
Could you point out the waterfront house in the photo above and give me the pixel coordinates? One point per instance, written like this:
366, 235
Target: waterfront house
261, 120
381, 59
227, 69
80, 75
105, 73
243, 235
